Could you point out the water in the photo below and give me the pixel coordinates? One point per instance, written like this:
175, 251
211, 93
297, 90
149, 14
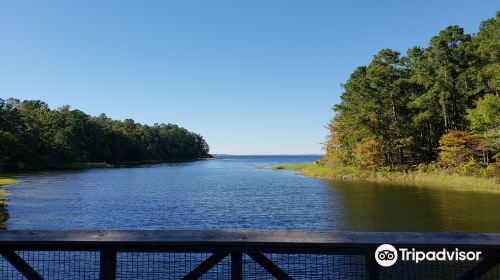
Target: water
233, 193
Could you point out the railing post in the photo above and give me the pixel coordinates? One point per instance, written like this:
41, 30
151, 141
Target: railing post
107, 265
236, 266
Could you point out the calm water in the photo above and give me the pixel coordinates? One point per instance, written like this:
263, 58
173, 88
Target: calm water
234, 193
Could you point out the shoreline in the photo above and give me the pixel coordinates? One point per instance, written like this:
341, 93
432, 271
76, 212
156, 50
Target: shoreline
434, 179
100, 165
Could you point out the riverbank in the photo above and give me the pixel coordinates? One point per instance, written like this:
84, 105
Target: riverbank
88, 165
438, 178
96, 165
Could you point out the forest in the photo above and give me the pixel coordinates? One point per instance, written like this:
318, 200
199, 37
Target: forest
32, 136
435, 107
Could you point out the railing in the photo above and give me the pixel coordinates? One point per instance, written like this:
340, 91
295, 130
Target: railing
217, 254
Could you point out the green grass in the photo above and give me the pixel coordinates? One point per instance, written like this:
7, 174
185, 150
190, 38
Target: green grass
3, 193
5, 181
439, 178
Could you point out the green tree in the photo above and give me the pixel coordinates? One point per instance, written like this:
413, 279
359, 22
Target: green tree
33, 136
486, 115
400, 111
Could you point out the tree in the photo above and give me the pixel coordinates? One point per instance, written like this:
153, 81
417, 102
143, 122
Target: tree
487, 42
400, 111
485, 124
486, 115
456, 147
33, 136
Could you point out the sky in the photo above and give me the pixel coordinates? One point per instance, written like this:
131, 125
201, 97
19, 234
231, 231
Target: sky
251, 76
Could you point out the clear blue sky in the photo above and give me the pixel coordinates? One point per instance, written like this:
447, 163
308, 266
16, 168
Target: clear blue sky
253, 76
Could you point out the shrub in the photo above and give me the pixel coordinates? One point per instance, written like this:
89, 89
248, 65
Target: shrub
489, 171
469, 168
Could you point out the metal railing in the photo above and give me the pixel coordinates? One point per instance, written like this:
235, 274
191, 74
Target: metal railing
218, 254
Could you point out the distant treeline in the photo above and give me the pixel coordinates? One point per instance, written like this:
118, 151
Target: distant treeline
32, 136
435, 104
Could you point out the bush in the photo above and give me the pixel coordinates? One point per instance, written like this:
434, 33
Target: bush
490, 171
469, 168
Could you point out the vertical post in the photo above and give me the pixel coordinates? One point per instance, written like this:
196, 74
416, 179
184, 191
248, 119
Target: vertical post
236, 266
107, 265
371, 267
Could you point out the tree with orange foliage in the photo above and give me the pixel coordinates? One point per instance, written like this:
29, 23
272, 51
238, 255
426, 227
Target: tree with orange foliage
456, 147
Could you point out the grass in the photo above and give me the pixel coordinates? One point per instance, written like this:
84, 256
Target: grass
5, 181
3, 193
438, 178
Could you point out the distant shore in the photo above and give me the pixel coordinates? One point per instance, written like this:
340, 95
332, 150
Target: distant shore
87, 165
90, 165
434, 178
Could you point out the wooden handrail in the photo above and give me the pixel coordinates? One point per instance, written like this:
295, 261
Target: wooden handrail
222, 243
242, 237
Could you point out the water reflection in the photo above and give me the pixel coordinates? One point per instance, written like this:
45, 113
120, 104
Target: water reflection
365, 206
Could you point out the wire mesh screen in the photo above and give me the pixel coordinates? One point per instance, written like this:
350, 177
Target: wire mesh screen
307, 266
55, 265
167, 266
139, 265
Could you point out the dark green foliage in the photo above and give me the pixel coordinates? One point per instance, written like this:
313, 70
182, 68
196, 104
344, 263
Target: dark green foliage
394, 111
33, 136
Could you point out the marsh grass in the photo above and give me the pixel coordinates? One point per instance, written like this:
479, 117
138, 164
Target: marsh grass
3, 192
6, 181
436, 178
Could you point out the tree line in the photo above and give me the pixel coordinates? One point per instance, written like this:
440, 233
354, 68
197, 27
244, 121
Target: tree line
438, 104
32, 136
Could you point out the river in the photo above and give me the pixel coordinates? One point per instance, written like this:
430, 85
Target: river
235, 193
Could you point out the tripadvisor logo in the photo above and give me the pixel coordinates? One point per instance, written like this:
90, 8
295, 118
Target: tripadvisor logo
387, 255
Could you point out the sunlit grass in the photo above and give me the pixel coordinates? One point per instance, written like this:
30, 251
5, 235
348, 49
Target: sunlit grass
5, 181
3, 193
436, 178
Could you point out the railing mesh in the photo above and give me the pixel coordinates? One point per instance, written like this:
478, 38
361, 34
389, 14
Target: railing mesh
56, 265
167, 266
138, 265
